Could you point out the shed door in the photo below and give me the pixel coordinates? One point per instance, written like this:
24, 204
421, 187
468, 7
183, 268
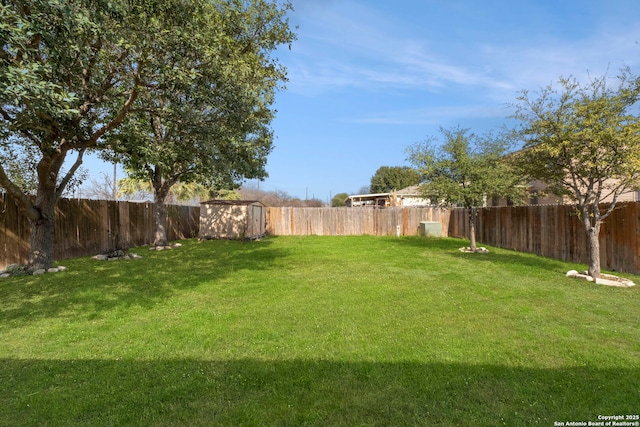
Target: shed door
256, 220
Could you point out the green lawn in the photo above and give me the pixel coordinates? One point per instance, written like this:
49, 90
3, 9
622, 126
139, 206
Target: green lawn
323, 331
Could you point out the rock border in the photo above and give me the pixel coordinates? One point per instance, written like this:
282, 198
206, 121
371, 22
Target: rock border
480, 250
604, 279
163, 248
107, 257
16, 270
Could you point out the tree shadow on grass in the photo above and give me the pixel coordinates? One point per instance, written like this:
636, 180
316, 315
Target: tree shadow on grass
91, 287
306, 392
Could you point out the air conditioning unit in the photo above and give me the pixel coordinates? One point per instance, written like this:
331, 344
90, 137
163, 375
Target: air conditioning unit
430, 229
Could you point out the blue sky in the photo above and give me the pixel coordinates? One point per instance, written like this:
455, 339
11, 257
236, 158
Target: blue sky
368, 78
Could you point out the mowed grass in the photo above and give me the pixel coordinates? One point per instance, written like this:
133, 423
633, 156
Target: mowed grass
320, 331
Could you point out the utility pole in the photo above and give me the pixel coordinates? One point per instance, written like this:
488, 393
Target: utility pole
115, 182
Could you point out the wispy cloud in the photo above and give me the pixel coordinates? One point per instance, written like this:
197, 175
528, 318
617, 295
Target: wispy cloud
432, 116
365, 50
337, 51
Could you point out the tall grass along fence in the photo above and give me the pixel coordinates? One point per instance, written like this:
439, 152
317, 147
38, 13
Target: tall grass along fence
89, 227
555, 231
289, 221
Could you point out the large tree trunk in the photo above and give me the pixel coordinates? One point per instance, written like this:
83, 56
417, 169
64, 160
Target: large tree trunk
42, 232
160, 220
160, 192
41, 211
592, 220
593, 245
473, 214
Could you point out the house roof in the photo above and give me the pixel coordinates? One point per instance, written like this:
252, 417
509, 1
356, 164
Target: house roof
413, 190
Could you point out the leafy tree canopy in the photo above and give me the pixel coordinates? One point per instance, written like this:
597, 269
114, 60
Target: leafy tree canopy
339, 200
466, 169
390, 178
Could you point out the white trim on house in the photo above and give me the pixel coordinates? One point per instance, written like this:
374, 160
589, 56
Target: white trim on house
409, 196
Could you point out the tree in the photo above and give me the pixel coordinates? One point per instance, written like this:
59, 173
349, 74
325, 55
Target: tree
102, 188
180, 192
210, 125
20, 167
390, 178
465, 171
583, 140
277, 198
69, 74
365, 189
339, 200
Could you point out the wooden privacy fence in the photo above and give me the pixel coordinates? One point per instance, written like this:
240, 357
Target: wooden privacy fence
89, 227
290, 221
555, 231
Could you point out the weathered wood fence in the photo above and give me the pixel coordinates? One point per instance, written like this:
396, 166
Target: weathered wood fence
89, 227
288, 221
555, 231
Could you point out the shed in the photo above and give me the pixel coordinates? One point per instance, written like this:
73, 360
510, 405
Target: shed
232, 219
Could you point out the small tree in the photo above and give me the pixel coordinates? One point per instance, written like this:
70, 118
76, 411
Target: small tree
390, 178
339, 200
101, 188
365, 189
465, 171
584, 142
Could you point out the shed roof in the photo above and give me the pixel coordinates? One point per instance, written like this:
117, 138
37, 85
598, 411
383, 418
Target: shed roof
231, 202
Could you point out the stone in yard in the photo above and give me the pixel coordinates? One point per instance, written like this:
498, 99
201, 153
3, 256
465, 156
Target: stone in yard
604, 279
62, 268
101, 257
53, 270
4, 275
162, 248
39, 272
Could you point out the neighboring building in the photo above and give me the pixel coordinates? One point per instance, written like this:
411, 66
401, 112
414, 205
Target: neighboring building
537, 194
411, 196
406, 197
